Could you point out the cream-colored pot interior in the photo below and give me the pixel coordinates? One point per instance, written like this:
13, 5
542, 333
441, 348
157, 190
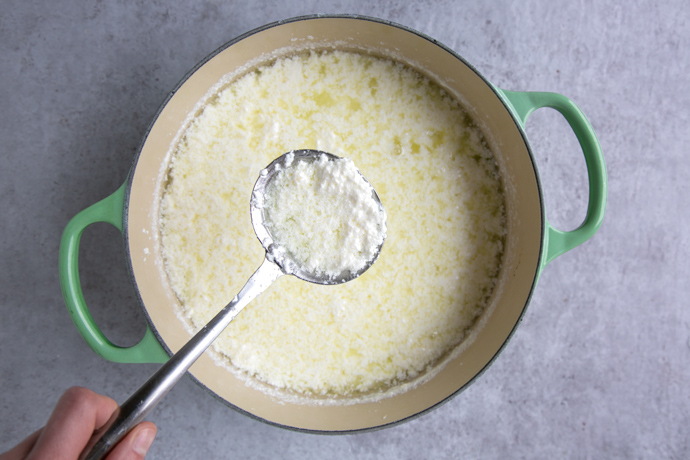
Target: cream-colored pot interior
525, 214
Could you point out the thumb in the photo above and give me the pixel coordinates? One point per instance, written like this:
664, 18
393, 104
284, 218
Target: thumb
136, 444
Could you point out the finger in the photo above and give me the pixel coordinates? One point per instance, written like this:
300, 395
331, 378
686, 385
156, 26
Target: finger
21, 450
136, 444
78, 413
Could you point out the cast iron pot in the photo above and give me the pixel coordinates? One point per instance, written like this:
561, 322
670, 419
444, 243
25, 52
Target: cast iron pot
531, 242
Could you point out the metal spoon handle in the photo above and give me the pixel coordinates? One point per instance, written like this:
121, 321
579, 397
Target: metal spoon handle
135, 409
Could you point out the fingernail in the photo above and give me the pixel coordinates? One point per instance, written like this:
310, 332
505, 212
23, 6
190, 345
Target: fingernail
143, 441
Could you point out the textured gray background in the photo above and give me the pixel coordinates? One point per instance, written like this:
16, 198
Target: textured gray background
599, 367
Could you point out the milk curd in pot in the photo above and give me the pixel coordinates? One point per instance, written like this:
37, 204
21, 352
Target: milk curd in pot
446, 225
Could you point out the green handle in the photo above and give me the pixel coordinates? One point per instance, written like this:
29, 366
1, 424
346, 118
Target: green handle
109, 210
558, 242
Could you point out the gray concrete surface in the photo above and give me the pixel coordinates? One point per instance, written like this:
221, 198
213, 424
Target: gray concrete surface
600, 366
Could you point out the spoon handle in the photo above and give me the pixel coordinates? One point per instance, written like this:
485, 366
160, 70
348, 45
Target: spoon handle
133, 411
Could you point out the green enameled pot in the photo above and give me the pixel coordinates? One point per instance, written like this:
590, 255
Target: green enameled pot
531, 242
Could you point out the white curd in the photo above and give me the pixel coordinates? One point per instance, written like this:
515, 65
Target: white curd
324, 215
445, 223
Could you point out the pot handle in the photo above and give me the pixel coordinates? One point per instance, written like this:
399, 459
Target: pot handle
556, 241
109, 210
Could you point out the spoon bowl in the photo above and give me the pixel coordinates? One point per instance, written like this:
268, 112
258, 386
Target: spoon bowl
285, 260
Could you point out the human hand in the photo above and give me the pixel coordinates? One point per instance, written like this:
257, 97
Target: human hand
78, 413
